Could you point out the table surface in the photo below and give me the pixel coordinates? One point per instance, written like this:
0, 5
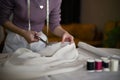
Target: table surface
81, 74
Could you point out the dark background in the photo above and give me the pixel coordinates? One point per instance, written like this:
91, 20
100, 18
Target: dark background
70, 11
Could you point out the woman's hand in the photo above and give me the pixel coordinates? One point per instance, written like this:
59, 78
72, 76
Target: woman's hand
31, 36
67, 38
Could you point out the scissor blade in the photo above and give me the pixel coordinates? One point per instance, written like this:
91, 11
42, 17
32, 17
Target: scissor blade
43, 40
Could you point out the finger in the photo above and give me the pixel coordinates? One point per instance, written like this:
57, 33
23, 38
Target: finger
63, 39
36, 33
72, 40
36, 40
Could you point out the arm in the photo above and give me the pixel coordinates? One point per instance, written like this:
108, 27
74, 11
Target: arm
55, 26
6, 9
28, 35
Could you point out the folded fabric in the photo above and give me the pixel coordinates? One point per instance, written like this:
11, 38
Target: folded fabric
57, 58
97, 51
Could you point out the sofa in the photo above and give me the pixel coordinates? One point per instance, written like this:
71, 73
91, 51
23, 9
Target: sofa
82, 32
2, 38
111, 34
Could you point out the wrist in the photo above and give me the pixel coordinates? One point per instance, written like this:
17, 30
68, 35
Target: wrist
65, 32
22, 32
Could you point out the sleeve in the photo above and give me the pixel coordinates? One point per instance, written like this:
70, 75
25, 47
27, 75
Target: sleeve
6, 8
55, 16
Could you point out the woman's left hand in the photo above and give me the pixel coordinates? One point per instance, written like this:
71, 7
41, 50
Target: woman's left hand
67, 38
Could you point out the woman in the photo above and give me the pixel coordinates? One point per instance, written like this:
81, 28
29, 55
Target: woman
28, 21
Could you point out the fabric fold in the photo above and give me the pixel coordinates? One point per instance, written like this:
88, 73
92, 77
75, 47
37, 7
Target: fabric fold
25, 64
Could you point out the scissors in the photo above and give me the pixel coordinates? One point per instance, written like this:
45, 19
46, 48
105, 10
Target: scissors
43, 40
46, 42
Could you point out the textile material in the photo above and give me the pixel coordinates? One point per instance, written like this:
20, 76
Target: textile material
15, 41
25, 64
97, 51
80, 74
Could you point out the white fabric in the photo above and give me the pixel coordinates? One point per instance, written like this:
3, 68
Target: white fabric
80, 74
97, 51
25, 64
15, 41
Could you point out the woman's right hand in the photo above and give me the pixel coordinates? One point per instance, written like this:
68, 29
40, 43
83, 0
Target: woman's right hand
31, 36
